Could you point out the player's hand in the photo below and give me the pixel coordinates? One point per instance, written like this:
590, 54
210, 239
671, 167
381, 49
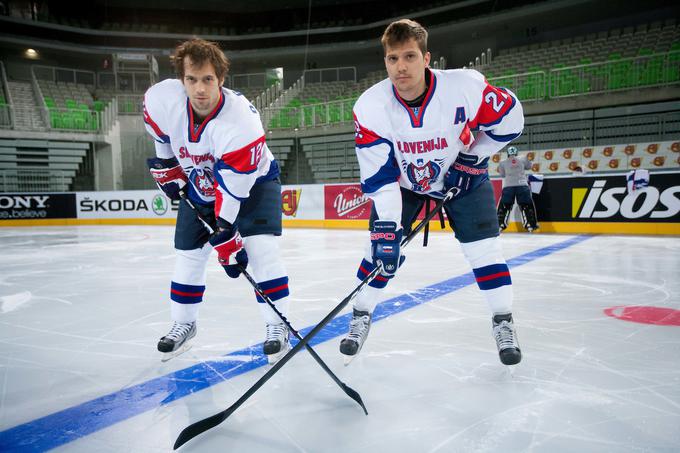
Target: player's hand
385, 246
466, 174
168, 175
230, 252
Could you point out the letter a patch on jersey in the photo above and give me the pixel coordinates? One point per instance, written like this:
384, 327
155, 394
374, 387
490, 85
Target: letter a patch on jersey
460, 115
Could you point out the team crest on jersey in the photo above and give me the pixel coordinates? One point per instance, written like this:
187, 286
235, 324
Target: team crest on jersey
203, 182
421, 175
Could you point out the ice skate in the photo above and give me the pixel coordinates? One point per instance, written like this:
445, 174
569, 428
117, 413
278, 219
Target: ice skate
177, 342
359, 326
277, 342
506, 339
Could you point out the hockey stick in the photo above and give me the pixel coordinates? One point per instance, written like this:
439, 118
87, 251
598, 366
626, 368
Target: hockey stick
201, 426
347, 389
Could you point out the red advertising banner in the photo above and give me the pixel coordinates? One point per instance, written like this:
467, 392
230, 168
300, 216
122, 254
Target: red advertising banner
346, 201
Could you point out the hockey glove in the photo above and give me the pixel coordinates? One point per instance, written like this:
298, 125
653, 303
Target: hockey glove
385, 246
466, 174
168, 175
229, 245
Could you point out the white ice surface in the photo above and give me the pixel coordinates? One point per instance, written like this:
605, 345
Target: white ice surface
81, 309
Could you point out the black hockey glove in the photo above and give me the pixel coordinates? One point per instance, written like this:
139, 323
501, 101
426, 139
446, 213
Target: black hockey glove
168, 175
466, 174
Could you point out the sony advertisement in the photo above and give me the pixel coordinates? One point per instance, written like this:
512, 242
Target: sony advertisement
32, 206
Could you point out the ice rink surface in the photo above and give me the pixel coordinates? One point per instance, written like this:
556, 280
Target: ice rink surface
598, 319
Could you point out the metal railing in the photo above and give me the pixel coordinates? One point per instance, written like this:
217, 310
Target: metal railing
35, 180
615, 75
306, 116
6, 119
22, 118
130, 104
73, 120
528, 86
69, 75
322, 75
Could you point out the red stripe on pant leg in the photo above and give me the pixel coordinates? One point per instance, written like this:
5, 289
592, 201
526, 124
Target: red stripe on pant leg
182, 293
492, 276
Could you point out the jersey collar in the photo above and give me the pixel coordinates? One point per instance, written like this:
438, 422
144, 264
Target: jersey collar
195, 134
417, 120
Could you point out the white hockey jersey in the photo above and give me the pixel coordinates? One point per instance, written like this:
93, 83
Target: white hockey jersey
413, 148
223, 156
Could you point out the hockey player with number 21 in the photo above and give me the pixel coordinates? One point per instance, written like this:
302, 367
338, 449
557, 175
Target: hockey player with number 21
414, 142
210, 147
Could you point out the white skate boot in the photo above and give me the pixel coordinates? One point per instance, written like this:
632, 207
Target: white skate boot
359, 326
506, 339
277, 342
176, 341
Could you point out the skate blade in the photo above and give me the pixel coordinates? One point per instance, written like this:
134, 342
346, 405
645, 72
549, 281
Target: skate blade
273, 358
349, 358
171, 355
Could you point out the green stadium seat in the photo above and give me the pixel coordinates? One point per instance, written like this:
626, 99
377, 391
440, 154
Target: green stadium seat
70, 104
55, 119
98, 106
671, 72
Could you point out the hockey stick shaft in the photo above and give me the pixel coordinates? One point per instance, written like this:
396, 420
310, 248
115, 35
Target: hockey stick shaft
349, 391
201, 426
345, 388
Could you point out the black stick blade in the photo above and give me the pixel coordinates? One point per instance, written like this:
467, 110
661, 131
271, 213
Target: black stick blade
197, 428
355, 396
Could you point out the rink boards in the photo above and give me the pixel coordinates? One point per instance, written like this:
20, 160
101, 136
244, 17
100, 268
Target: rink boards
585, 204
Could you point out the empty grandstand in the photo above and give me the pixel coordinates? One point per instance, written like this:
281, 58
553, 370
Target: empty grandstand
591, 90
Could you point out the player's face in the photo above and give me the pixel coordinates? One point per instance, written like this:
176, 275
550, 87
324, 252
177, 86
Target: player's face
406, 65
202, 86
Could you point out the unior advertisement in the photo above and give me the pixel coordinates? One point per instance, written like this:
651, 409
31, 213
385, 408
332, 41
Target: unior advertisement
147, 204
34, 206
346, 202
607, 199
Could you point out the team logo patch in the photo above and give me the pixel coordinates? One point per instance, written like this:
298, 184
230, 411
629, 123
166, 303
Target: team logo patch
422, 175
203, 182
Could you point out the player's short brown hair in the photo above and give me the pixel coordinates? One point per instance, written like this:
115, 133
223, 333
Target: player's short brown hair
200, 52
402, 30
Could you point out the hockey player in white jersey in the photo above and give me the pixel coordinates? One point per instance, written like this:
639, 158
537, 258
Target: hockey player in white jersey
413, 142
516, 187
210, 146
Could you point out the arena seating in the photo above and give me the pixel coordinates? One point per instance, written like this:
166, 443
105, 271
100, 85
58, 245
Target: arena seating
39, 165
5, 120
632, 57
613, 158
326, 103
70, 105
